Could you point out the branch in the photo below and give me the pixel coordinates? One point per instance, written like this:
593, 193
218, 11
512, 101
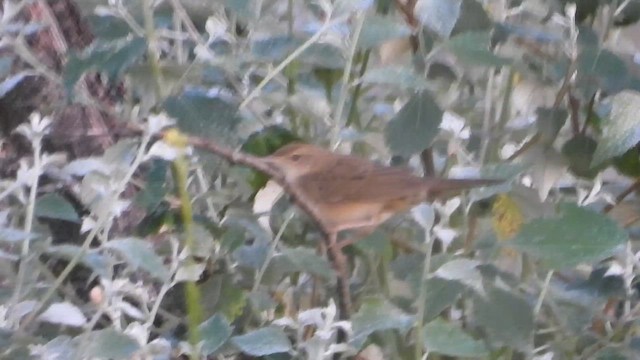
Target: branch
336, 257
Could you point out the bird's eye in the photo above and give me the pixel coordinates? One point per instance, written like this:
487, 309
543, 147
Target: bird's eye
296, 157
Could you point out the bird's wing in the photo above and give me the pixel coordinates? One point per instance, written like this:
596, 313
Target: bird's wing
352, 181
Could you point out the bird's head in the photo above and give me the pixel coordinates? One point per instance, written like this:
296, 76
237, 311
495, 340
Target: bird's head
298, 159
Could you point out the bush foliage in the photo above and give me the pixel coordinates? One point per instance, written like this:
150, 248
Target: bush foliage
119, 240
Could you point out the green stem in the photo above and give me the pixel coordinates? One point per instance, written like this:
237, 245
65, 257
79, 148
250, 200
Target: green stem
352, 117
272, 250
192, 293
346, 75
28, 222
422, 295
152, 55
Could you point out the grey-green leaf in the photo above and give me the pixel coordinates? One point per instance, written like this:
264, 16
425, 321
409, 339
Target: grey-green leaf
472, 48
265, 341
375, 315
92, 258
439, 16
578, 235
622, 130
106, 344
54, 206
138, 253
378, 29
111, 58
214, 332
440, 295
600, 69
402, 77
506, 317
444, 338
203, 115
307, 260
415, 126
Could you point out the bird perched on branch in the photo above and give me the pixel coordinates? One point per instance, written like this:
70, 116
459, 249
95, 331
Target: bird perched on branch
346, 192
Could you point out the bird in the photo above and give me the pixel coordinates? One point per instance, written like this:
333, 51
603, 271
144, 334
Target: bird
347, 192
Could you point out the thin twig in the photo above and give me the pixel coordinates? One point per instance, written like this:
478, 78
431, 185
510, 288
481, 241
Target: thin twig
336, 257
346, 75
273, 73
270, 253
632, 188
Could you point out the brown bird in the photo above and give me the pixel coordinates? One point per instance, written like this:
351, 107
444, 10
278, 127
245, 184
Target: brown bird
348, 192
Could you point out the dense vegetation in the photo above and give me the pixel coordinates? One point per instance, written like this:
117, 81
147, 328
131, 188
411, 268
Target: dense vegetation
120, 240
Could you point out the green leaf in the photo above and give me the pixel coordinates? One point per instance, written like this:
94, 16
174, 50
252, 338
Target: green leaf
263, 143
600, 69
265, 341
507, 318
441, 294
323, 55
378, 29
472, 48
276, 48
579, 152
300, 260
54, 206
463, 270
232, 299
610, 353
415, 126
261, 300
203, 115
376, 243
214, 332
578, 235
622, 131
106, 344
245, 9
138, 253
108, 27
232, 239
61, 346
549, 121
375, 315
444, 338
111, 58
156, 219
268, 140
473, 17
5, 65
155, 188
402, 77
97, 262
439, 16
251, 256
628, 163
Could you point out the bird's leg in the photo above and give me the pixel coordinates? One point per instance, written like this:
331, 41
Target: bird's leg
344, 294
342, 269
